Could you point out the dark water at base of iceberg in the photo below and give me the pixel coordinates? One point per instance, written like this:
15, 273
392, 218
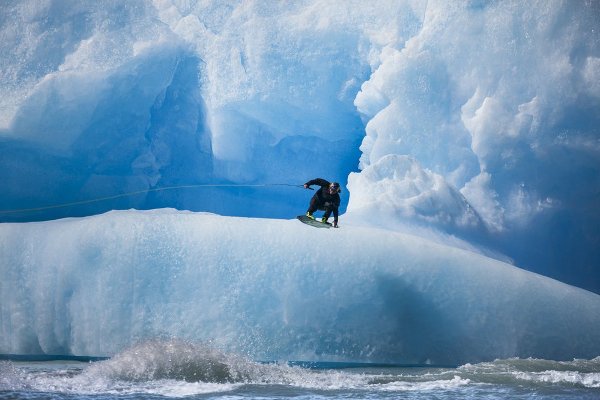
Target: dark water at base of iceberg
166, 370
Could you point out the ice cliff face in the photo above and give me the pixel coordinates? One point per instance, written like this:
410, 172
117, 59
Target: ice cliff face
277, 290
474, 119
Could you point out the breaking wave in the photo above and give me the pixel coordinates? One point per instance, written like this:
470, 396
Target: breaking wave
175, 368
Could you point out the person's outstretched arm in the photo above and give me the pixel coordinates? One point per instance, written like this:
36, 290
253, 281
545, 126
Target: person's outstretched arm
318, 181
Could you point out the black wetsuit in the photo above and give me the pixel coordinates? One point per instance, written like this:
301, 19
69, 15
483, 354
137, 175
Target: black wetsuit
324, 200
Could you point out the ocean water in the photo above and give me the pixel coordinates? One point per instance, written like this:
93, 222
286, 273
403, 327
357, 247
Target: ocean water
166, 370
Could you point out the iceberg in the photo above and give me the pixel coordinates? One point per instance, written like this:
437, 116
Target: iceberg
484, 115
274, 289
464, 135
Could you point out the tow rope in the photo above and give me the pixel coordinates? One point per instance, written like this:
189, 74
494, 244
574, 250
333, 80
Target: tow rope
117, 196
